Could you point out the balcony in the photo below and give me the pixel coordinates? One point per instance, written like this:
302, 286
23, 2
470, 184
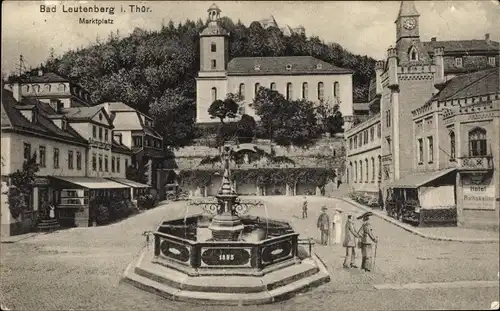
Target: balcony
475, 163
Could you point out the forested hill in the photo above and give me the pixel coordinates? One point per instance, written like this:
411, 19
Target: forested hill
140, 68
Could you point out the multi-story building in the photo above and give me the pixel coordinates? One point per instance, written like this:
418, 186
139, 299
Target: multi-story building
410, 76
136, 131
297, 77
456, 134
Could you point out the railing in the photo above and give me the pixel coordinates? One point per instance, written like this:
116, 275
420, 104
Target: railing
484, 162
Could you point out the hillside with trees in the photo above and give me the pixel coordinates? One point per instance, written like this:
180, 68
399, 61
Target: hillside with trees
154, 71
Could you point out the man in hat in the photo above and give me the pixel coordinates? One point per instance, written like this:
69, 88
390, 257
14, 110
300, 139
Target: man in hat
324, 225
367, 238
350, 242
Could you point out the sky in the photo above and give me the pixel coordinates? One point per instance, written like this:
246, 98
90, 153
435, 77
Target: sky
364, 27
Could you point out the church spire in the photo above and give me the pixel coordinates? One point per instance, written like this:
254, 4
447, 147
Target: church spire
407, 8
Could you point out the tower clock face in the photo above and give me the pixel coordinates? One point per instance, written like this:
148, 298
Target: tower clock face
410, 23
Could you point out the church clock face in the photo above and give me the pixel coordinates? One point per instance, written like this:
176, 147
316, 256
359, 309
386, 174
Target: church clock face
410, 23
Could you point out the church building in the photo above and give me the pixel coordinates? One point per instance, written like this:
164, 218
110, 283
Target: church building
297, 77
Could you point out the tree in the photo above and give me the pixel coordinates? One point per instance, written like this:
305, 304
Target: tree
246, 128
330, 118
21, 186
223, 109
139, 174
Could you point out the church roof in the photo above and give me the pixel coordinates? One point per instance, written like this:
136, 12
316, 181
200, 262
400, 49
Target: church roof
282, 65
214, 30
470, 85
407, 8
463, 45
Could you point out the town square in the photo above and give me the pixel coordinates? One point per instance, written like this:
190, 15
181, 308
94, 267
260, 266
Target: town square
237, 162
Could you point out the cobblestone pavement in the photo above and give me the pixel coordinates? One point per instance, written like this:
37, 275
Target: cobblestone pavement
81, 268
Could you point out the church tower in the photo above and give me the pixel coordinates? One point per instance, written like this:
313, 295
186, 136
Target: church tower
409, 48
211, 83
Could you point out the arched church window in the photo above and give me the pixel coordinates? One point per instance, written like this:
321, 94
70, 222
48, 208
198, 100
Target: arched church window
336, 90
305, 90
321, 91
256, 90
214, 94
273, 86
289, 91
242, 90
413, 54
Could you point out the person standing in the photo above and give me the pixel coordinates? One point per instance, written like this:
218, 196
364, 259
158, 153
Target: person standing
324, 225
337, 225
350, 243
367, 239
304, 208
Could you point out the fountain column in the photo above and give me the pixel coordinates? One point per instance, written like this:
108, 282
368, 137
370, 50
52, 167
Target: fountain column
226, 225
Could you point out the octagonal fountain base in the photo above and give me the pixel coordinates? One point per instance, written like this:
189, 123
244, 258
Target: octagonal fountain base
221, 287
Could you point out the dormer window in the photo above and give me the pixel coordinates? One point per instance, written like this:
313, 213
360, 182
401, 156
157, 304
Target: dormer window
413, 54
289, 67
319, 66
458, 62
64, 125
257, 67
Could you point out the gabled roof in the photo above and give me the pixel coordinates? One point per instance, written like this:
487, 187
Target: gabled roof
45, 78
472, 84
463, 45
120, 148
119, 106
12, 118
298, 65
83, 113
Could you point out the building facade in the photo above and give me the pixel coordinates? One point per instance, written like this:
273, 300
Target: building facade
300, 77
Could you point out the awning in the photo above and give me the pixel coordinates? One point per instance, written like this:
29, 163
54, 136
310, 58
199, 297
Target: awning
418, 179
92, 182
130, 183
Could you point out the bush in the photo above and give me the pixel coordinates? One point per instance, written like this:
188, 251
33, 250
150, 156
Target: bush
146, 201
103, 215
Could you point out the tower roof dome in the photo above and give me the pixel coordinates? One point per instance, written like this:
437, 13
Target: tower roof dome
214, 7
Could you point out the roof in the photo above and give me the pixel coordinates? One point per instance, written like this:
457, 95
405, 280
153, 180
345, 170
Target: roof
151, 132
407, 8
119, 147
214, 29
470, 85
13, 118
300, 65
463, 45
131, 183
417, 180
119, 106
45, 78
81, 113
92, 182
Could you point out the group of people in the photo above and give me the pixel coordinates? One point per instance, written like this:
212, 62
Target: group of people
362, 238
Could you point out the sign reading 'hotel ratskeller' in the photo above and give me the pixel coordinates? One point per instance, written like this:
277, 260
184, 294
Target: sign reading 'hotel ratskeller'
478, 194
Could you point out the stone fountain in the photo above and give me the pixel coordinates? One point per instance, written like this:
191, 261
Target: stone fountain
224, 256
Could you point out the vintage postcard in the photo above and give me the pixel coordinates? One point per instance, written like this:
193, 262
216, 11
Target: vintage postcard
250, 155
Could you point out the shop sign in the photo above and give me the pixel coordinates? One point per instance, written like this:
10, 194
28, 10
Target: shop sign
479, 192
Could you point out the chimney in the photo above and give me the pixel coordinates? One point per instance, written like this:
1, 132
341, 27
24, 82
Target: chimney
487, 37
16, 91
40, 72
433, 39
439, 63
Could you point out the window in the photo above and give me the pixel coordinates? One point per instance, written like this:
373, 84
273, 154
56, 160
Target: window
70, 159
379, 167
355, 171
100, 163
56, 158
94, 131
355, 142
100, 133
458, 62
105, 134
372, 134
388, 140
273, 86
137, 141
413, 54
242, 90
256, 88
289, 91
321, 91
126, 163
420, 151
388, 118
379, 130
477, 142
106, 163
430, 145
78, 160
336, 90
41, 151
118, 164
366, 170
112, 164
373, 169
452, 145
365, 137
214, 94
94, 162
27, 151
305, 90
214, 64
350, 143
360, 171
491, 61
213, 47
360, 139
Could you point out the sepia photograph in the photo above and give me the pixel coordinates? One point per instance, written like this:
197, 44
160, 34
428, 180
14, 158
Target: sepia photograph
250, 155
